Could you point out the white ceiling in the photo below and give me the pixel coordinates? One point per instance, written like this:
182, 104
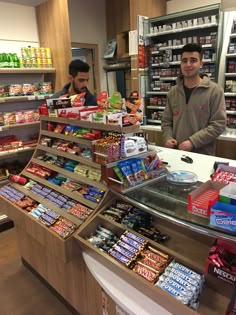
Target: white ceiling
31, 3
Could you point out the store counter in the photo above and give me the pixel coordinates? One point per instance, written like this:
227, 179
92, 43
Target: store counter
169, 206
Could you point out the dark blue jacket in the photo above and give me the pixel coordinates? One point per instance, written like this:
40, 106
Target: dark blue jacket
90, 99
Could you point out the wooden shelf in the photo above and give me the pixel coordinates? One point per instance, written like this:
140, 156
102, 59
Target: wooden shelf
12, 153
92, 125
26, 70
71, 175
23, 125
69, 156
73, 195
48, 204
51, 134
180, 241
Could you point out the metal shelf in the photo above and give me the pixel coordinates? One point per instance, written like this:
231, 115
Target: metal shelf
231, 112
233, 55
30, 124
233, 35
230, 94
156, 93
11, 153
156, 107
155, 121
26, 70
232, 74
183, 29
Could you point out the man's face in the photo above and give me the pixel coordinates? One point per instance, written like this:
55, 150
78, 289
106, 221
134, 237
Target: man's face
190, 64
80, 82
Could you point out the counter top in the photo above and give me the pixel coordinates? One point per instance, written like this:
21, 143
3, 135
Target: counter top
202, 164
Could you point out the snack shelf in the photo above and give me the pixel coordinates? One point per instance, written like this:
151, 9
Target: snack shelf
163, 64
92, 125
216, 305
183, 29
69, 156
26, 70
51, 134
115, 186
69, 174
47, 204
61, 190
23, 125
140, 155
12, 99
12, 153
168, 78
171, 47
61, 248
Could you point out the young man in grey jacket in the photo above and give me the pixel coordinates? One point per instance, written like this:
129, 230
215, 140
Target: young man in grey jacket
195, 113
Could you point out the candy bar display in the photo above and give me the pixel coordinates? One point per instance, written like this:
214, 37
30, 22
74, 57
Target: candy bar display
182, 283
151, 264
134, 218
61, 201
136, 170
221, 261
72, 166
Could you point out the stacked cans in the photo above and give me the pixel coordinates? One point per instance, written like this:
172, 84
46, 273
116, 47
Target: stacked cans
35, 57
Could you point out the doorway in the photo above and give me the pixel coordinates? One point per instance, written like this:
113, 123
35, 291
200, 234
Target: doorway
88, 53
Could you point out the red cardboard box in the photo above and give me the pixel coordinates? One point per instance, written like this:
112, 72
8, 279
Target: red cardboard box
202, 198
222, 273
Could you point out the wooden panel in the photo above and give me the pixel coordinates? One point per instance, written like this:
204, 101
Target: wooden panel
117, 17
150, 8
226, 149
54, 32
66, 278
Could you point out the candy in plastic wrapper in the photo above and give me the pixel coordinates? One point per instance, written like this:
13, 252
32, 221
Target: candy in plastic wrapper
172, 271
154, 256
121, 258
175, 293
145, 272
189, 295
135, 237
128, 247
60, 231
132, 242
124, 252
158, 266
182, 282
192, 274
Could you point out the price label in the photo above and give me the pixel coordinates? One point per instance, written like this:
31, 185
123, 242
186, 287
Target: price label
41, 97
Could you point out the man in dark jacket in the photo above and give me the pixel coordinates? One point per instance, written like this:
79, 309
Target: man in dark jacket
79, 77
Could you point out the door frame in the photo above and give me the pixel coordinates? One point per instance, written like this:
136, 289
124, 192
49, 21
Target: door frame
96, 61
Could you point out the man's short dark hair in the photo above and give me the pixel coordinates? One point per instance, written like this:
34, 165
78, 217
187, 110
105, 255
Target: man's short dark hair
76, 66
192, 48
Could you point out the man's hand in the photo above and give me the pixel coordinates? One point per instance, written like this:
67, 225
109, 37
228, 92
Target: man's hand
171, 143
186, 146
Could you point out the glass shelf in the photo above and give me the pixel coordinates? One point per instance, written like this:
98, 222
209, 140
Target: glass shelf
170, 201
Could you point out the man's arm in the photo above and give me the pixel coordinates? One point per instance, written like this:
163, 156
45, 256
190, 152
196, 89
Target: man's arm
217, 121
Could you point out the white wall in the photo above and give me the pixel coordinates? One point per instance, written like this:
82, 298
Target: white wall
182, 5
18, 27
88, 25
